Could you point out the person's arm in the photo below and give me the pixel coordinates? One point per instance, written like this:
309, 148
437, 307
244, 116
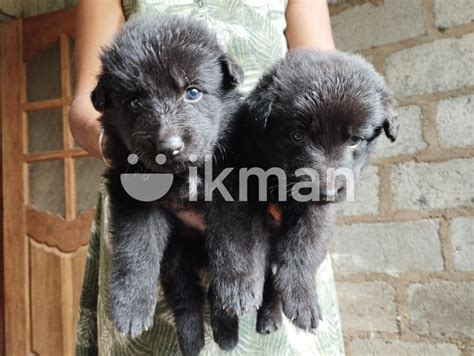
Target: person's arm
308, 25
97, 23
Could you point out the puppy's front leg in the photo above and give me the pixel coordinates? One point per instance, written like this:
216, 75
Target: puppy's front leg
225, 327
301, 247
139, 232
269, 317
237, 257
180, 281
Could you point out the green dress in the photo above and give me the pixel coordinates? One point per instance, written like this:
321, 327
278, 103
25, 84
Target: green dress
252, 32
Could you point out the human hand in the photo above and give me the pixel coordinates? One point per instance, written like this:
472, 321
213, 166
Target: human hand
192, 218
85, 126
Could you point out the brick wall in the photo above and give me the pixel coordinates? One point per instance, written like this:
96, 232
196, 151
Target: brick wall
404, 251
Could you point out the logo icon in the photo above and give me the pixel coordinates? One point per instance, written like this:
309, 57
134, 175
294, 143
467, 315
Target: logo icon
146, 187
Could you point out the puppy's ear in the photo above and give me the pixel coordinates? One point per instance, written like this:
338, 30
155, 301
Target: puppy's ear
260, 103
390, 124
99, 94
233, 75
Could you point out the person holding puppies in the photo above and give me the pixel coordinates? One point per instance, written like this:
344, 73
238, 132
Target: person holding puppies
256, 33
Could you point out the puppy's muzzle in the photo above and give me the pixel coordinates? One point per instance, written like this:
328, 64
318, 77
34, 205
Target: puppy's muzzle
172, 146
331, 195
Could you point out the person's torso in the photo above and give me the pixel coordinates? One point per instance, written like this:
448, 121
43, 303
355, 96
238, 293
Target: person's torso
251, 30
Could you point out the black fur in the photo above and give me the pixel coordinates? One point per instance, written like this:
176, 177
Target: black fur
146, 71
337, 106
140, 93
183, 259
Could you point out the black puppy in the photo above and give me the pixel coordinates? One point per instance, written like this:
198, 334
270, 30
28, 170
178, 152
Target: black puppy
312, 110
166, 88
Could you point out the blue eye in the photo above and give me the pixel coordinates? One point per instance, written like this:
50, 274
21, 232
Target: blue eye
192, 94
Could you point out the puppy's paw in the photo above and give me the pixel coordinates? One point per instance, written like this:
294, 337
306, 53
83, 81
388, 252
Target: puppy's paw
193, 345
132, 310
268, 321
302, 308
190, 330
225, 330
238, 296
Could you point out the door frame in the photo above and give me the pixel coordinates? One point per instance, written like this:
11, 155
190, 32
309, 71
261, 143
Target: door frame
19, 40
15, 246
2, 303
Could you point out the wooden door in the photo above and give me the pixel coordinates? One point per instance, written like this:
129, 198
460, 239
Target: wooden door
47, 217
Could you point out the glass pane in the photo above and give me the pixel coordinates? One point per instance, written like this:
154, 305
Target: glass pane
45, 131
43, 74
72, 63
88, 176
46, 186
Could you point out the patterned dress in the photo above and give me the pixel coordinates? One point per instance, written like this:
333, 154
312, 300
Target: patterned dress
252, 32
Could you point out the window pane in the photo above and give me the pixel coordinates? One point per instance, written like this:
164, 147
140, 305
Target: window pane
43, 74
46, 186
88, 176
45, 132
72, 63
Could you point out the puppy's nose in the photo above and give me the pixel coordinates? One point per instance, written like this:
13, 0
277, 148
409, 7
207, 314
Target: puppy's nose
330, 195
327, 195
172, 146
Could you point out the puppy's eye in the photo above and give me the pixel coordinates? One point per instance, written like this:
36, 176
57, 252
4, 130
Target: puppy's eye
298, 136
192, 94
134, 104
355, 141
